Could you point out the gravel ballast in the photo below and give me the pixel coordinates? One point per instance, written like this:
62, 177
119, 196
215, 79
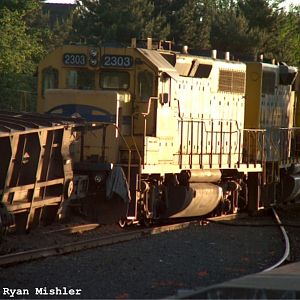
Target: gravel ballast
152, 267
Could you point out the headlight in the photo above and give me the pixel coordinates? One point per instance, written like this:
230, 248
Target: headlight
93, 52
93, 62
98, 178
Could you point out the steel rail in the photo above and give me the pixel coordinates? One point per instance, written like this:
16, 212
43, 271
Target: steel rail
286, 254
26, 256
192, 293
74, 228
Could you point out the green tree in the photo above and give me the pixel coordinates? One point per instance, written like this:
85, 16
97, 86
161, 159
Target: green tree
231, 31
27, 6
26, 36
51, 33
117, 21
193, 24
263, 18
287, 40
259, 13
169, 9
20, 49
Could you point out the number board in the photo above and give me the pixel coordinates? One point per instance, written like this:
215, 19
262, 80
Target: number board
116, 61
74, 59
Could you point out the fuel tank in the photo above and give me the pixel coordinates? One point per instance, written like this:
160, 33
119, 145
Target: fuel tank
199, 199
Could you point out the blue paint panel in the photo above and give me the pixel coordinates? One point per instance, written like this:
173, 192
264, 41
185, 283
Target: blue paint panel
87, 112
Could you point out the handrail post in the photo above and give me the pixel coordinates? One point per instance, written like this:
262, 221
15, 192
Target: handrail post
211, 144
144, 114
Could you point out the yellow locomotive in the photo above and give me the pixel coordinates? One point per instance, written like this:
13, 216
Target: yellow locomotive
176, 135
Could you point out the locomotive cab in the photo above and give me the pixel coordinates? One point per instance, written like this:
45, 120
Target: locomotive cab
123, 92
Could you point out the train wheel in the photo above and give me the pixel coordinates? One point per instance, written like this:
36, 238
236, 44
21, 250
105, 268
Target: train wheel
146, 222
68, 189
123, 223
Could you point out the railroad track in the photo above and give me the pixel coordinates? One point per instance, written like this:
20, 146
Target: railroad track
287, 250
127, 235
29, 255
221, 291
192, 294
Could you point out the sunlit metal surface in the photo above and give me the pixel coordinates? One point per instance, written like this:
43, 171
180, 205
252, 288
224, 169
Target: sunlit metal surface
287, 244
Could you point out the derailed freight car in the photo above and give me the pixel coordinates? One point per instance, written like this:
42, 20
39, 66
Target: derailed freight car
36, 176
193, 134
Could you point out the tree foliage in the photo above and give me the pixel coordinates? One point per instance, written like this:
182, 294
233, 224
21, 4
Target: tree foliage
25, 39
20, 50
117, 21
287, 46
243, 27
19, 47
230, 31
192, 24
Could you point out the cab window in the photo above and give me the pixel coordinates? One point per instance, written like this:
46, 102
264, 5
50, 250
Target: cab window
80, 79
145, 85
114, 80
203, 71
268, 82
50, 79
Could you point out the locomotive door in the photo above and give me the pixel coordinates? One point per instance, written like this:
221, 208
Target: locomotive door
167, 113
145, 89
